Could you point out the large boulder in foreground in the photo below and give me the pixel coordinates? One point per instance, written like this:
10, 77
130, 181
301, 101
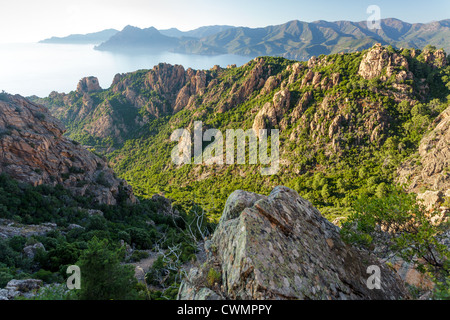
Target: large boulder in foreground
281, 247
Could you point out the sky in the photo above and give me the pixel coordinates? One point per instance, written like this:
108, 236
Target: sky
34, 20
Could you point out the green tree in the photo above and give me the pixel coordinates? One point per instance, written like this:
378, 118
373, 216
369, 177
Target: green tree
102, 275
405, 226
382, 190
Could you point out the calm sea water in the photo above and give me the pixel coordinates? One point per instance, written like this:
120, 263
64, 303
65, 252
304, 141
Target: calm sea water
38, 69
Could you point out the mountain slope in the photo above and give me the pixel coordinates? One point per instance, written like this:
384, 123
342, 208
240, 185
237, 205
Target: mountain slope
366, 110
294, 39
300, 40
135, 38
90, 38
281, 248
196, 33
33, 150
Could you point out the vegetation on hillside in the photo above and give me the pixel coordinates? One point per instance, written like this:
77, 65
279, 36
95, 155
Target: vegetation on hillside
331, 171
349, 171
142, 226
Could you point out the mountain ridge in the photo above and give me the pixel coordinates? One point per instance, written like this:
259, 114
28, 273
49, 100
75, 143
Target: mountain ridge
331, 111
89, 38
300, 40
293, 40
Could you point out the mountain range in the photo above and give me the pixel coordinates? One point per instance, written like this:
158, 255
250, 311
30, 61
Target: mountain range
90, 38
294, 39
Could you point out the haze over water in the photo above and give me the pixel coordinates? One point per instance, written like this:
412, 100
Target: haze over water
38, 69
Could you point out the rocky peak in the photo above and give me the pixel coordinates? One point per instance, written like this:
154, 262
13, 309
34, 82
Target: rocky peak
34, 150
165, 78
88, 85
280, 247
379, 60
436, 58
271, 113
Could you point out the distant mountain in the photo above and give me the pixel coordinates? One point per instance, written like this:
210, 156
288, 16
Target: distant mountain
90, 38
301, 40
132, 38
294, 40
196, 33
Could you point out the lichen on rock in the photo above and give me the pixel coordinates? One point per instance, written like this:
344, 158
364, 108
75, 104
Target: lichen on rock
281, 247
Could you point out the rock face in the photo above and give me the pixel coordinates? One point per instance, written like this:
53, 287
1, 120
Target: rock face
174, 84
26, 288
30, 251
280, 247
272, 112
88, 85
435, 58
429, 169
34, 150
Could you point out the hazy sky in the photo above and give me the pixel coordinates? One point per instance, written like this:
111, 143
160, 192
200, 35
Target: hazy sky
33, 20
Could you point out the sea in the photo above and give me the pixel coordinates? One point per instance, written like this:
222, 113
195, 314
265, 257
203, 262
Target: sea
38, 69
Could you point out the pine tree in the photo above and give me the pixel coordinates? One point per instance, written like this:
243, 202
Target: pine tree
102, 275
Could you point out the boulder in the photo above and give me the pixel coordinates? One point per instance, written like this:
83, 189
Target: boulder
9, 229
88, 84
281, 247
164, 206
15, 288
30, 251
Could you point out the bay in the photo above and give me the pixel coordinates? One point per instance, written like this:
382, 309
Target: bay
38, 69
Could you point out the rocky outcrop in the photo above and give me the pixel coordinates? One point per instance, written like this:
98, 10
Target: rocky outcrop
30, 251
34, 150
174, 84
88, 85
9, 229
280, 247
429, 168
20, 288
164, 206
380, 62
271, 113
254, 79
436, 58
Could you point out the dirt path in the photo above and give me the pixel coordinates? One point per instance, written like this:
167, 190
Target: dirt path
141, 267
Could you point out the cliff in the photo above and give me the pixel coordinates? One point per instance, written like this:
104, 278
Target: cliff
34, 150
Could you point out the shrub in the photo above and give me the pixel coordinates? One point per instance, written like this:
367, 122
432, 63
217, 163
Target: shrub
103, 276
213, 277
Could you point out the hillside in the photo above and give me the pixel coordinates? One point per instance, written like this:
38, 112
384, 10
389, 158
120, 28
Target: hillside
301, 40
366, 110
61, 205
33, 150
